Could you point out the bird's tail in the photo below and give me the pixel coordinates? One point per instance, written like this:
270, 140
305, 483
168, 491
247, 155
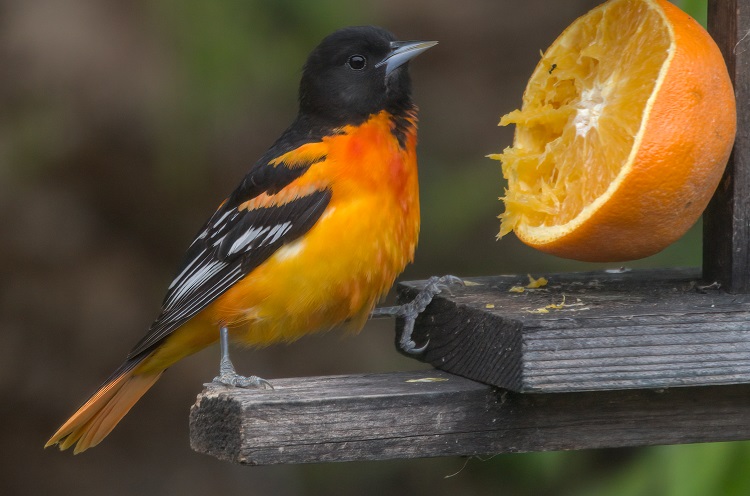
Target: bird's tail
101, 413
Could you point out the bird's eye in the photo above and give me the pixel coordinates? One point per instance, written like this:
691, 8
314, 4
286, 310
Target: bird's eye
356, 62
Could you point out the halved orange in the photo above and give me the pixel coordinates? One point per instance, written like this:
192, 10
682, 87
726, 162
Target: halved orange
625, 129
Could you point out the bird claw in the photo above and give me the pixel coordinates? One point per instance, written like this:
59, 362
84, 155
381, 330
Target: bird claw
410, 347
445, 283
227, 375
232, 379
410, 311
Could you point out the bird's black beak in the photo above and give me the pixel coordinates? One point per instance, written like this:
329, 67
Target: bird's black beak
402, 52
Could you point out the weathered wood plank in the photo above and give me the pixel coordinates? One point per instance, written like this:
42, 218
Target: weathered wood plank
726, 221
381, 416
588, 331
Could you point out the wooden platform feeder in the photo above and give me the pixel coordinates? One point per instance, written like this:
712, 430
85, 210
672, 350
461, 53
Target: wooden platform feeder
625, 359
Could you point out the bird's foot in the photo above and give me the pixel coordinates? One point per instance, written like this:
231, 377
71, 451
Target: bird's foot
228, 376
410, 311
233, 379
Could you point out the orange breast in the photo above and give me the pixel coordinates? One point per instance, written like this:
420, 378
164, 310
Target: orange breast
351, 257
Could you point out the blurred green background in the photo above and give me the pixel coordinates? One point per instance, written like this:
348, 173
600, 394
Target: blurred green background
124, 123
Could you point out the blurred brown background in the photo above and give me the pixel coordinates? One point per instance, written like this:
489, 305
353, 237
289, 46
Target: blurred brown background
123, 124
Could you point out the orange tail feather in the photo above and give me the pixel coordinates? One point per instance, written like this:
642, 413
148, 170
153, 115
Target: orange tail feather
102, 412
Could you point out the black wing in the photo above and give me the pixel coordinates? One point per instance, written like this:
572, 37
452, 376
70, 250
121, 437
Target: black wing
231, 245
235, 241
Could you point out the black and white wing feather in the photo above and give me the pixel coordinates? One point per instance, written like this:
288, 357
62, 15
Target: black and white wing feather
231, 245
235, 240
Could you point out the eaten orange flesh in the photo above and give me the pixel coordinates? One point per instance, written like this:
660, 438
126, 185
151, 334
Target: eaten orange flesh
625, 129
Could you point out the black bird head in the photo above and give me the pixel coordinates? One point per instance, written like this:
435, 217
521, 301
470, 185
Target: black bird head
356, 72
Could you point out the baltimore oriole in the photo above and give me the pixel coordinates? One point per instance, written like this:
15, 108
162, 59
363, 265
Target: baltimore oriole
313, 237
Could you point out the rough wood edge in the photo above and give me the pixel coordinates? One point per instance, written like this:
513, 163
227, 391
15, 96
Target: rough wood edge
384, 416
645, 329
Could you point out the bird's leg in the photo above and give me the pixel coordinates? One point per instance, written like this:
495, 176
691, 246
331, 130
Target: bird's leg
409, 311
228, 376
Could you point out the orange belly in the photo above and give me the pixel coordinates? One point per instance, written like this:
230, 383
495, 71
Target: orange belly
337, 271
